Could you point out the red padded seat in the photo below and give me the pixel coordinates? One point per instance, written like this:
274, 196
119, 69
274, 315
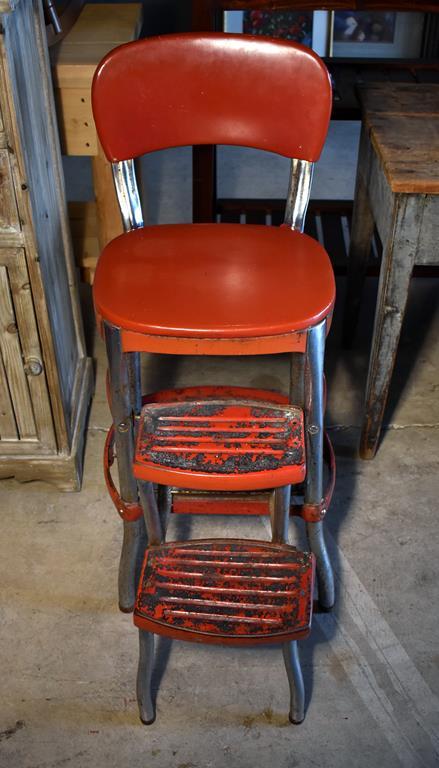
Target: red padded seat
226, 591
214, 281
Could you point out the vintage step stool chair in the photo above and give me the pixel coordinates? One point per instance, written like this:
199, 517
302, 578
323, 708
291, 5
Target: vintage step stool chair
216, 289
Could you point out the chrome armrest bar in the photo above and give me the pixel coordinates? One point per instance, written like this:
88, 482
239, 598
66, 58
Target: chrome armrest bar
299, 190
128, 197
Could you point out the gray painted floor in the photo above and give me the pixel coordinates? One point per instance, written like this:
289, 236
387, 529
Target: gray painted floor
371, 668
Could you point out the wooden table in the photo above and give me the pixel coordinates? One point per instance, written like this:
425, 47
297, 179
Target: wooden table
207, 15
397, 190
98, 29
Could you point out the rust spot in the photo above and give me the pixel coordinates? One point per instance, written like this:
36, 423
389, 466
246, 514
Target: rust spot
227, 588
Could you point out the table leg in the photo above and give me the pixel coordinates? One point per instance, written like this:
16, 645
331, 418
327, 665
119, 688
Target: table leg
108, 213
396, 269
359, 250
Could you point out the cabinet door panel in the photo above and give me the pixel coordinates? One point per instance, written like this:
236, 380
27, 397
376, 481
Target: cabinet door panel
8, 427
23, 388
9, 220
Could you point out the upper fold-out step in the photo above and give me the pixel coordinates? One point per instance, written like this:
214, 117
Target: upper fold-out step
221, 445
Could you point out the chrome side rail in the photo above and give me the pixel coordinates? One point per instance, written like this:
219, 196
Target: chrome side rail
299, 190
125, 182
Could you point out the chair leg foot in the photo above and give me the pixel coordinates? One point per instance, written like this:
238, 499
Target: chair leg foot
295, 679
295, 722
144, 675
325, 576
148, 722
131, 558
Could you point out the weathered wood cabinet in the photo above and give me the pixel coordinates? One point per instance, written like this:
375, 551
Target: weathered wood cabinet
45, 375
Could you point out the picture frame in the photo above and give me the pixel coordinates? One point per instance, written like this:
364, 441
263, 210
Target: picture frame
376, 34
385, 34
317, 33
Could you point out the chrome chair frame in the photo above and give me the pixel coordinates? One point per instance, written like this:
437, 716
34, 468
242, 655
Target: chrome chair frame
306, 390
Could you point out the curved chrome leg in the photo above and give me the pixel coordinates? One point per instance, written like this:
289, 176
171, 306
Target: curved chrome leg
314, 457
164, 502
325, 576
131, 558
144, 675
280, 514
295, 679
124, 380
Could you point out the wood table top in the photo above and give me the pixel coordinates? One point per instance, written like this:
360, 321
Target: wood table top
403, 121
98, 30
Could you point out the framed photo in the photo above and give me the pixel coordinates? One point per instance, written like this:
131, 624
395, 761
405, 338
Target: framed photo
348, 34
307, 27
380, 34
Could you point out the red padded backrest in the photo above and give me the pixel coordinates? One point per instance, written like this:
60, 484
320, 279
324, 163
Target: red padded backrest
187, 89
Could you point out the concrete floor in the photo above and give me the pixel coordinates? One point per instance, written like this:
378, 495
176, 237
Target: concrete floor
371, 668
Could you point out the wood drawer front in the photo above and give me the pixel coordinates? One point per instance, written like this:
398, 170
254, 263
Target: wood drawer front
25, 413
9, 219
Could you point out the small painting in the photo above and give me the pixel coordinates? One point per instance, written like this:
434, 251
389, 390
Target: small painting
364, 26
289, 25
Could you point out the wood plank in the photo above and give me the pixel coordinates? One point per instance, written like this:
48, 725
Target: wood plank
115, 23
9, 219
64, 470
13, 363
405, 98
38, 144
98, 29
30, 347
8, 429
58, 179
408, 147
403, 120
83, 218
405, 177
396, 270
84, 228
30, 127
75, 120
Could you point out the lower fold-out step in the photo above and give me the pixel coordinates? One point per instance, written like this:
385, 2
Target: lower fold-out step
229, 592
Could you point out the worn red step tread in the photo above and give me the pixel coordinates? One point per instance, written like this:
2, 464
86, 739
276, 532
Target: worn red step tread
226, 591
220, 444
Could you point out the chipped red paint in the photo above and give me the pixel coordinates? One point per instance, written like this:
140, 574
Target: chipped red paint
314, 513
131, 512
128, 511
220, 445
229, 592
218, 505
215, 393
